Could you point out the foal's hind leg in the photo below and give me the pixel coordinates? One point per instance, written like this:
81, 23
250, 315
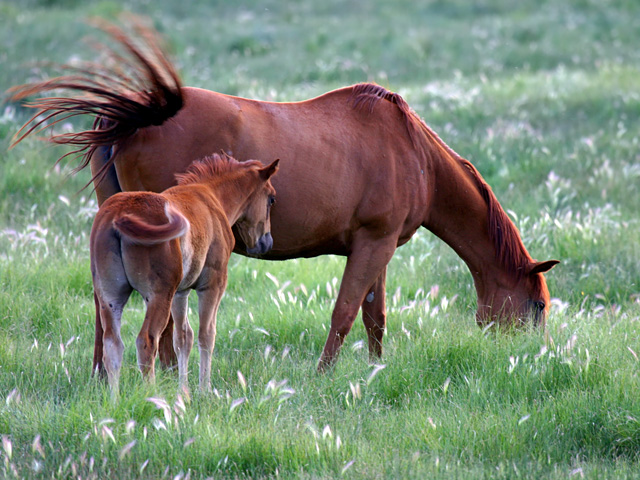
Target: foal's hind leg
112, 345
374, 315
98, 366
110, 314
166, 353
155, 321
365, 264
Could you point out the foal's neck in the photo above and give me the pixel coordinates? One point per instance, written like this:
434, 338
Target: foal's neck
232, 195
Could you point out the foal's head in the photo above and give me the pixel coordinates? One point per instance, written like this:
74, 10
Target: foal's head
249, 178
254, 224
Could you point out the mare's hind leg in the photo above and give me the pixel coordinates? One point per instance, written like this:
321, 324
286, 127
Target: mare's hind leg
374, 315
182, 336
155, 321
365, 264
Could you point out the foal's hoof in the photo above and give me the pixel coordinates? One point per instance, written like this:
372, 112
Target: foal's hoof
185, 393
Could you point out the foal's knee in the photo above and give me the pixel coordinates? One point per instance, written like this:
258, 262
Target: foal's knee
145, 345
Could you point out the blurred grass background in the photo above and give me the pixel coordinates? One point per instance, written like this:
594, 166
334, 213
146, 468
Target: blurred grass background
542, 96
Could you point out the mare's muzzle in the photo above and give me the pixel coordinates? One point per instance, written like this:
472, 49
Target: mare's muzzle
264, 244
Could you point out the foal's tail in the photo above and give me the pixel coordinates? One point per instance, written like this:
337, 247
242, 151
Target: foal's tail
127, 90
137, 230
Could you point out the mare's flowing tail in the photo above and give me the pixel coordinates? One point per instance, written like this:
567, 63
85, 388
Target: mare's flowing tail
137, 230
127, 90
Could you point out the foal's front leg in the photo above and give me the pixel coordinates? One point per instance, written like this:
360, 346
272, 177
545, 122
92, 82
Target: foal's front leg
208, 303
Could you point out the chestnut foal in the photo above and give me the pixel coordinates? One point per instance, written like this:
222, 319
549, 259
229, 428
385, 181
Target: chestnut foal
166, 244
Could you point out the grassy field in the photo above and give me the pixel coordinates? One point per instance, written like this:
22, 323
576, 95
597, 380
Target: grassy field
542, 96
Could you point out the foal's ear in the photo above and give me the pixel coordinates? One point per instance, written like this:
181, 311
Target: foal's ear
269, 170
542, 267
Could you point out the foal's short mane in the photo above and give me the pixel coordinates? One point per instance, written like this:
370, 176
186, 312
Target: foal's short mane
510, 250
213, 166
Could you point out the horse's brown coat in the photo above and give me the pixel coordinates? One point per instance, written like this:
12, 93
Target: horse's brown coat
165, 245
360, 173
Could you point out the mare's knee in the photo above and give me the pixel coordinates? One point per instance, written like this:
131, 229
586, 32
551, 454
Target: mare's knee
341, 323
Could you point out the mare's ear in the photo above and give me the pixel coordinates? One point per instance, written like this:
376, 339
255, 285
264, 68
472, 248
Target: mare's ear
269, 170
542, 267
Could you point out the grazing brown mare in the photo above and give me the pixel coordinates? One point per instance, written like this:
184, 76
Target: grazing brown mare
163, 245
360, 173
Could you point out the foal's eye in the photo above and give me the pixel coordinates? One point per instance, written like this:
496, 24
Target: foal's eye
272, 200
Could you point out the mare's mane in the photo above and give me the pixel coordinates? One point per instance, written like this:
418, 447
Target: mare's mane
508, 245
213, 167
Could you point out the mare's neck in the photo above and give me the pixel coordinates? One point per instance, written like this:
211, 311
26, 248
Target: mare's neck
459, 215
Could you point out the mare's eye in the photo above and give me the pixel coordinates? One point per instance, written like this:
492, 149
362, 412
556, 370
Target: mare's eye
540, 306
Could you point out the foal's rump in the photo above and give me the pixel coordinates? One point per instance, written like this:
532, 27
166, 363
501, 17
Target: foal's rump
139, 230
134, 234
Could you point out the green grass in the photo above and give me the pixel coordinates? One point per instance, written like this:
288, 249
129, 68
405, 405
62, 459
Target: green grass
543, 97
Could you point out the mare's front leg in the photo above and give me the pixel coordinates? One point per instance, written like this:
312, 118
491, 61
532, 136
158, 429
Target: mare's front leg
182, 337
367, 261
374, 315
208, 302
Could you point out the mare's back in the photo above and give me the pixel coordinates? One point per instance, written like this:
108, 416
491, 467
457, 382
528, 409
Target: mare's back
333, 159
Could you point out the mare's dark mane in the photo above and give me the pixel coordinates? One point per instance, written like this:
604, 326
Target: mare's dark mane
508, 245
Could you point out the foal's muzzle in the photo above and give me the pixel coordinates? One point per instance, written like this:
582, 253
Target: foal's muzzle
263, 245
